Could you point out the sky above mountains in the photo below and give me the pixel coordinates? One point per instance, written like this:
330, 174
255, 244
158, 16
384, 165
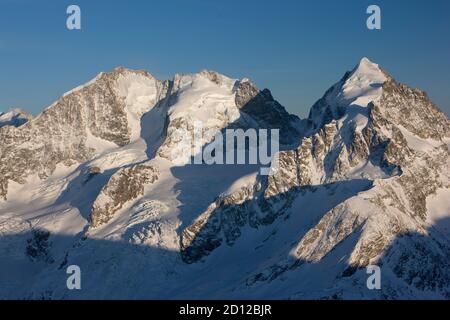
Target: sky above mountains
297, 49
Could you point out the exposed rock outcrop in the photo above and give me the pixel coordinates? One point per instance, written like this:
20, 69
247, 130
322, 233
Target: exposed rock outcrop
124, 186
66, 131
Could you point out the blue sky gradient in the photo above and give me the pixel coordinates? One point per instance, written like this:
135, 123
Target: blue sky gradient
297, 49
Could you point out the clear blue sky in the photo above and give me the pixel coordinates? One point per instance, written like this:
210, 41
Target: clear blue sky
295, 48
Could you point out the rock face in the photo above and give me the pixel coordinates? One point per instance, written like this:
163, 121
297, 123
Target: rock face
364, 180
220, 223
38, 246
125, 185
70, 130
266, 111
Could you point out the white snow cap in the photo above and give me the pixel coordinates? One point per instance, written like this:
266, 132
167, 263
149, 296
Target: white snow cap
369, 68
363, 85
365, 80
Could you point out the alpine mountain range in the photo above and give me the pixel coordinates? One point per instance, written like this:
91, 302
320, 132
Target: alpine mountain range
91, 181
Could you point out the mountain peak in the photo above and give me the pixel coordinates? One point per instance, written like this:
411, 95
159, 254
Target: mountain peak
15, 117
121, 70
368, 70
358, 88
366, 62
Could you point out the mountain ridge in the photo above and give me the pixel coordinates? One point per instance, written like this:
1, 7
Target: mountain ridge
358, 183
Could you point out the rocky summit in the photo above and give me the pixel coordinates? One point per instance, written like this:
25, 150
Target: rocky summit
95, 181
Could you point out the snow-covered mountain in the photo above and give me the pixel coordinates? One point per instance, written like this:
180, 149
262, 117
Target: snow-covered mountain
96, 181
14, 117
